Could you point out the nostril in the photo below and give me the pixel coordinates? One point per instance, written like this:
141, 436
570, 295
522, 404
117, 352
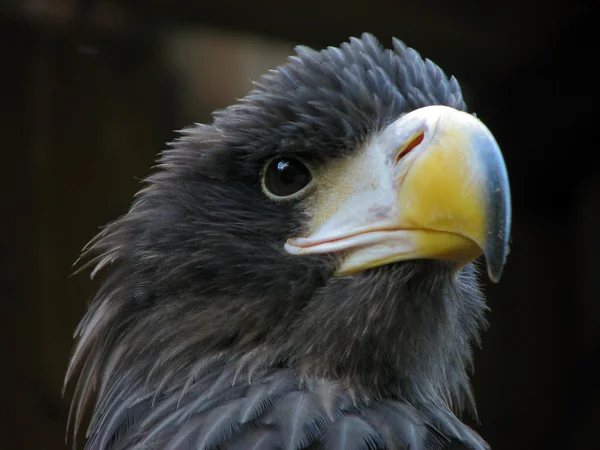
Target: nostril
412, 144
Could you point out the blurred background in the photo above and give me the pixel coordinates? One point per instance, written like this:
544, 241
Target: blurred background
92, 90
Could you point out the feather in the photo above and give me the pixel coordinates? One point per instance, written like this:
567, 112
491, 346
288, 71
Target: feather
171, 413
114, 419
448, 424
352, 433
262, 394
256, 439
213, 428
400, 426
298, 418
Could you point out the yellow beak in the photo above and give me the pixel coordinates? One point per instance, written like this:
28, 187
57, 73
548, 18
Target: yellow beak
432, 185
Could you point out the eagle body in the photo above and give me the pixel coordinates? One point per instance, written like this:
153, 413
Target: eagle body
222, 326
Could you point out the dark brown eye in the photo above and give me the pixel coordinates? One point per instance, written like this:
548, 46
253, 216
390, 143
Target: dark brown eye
284, 177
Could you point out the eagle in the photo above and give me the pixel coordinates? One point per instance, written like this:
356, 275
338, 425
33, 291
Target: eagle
301, 273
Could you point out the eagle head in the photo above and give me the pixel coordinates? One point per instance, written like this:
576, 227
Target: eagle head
318, 239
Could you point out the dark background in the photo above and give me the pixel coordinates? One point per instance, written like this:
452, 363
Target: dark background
91, 91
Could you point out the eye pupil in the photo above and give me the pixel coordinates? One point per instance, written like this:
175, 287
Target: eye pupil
286, 176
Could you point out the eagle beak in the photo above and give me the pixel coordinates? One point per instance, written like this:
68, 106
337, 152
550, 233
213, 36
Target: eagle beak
432, 185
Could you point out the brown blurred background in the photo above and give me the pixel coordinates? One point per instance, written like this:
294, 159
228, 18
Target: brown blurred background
91, 91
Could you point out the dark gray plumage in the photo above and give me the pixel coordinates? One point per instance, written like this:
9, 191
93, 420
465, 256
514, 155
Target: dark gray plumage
207, 334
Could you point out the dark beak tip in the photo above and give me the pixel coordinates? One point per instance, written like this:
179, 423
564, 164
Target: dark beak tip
494, 272
496, 247
495, 257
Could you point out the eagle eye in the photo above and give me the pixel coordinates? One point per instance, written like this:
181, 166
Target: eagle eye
285, 176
